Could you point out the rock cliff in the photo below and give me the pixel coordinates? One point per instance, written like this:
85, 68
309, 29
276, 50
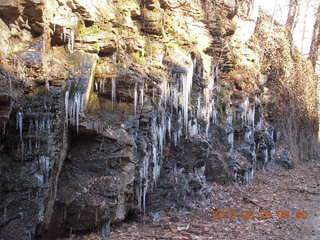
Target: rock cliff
113, 108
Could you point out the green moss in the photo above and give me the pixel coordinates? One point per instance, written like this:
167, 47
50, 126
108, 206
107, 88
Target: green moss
11, 53
150, 48
172, 45
84, 31
138, 58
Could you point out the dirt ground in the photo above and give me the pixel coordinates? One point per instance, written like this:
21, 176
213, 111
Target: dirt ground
280, 204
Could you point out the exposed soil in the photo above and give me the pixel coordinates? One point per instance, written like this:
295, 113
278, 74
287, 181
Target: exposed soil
296, 192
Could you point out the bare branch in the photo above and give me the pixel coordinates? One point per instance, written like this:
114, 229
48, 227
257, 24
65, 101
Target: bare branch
180, 4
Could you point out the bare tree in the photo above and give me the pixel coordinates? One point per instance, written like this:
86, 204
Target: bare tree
315, 43
292, 15
305, 17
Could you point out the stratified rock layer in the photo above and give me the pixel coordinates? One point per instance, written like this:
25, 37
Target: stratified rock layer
117, 108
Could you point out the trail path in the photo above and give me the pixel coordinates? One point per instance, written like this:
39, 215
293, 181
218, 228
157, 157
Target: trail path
274, 195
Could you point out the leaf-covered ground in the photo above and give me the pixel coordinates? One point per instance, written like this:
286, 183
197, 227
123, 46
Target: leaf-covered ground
280, 204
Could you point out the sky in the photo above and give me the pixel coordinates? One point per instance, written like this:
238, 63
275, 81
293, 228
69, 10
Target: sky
279, 8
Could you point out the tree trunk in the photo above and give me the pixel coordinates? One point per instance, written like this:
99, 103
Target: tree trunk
305, 25
292, 15
315, 43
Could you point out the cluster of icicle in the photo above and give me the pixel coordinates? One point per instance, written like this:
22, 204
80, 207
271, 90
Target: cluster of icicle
100, 86
33, 133
68, 35
247, 119
74, 105
174, 99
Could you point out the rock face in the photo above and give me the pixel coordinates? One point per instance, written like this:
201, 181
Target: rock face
124, 107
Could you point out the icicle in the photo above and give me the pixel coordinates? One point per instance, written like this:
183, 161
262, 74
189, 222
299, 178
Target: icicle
231, 139
246, 177
66, 104
113, 94
64, 34
156, 168
251, 174
266, 156
169, 127
174, 97
75, 108
272, 153
144, 181
135, 99
44, 163
72, 40
244, 108
260, 124
193, 128
186, 87
160, 138
20, 123
214, 116
78, 108
248, 135
68, 35
140, 190
142, 96
229, 117
251, 116
175, 139
199, 107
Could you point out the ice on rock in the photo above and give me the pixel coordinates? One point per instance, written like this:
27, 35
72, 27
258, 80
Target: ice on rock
39, 178
244, 107
265, 156
164, 93
169, 128
251, 116
144, 175
66, 106
272, 153
156, 164
142, 96
231, 139
248, 135
174, 96
186, 91
260, 124
248, 176
135, 98
68, 34
229, 116
199, 107
74, 108
214, 116
193, 128
44, 164
20, 123
252, 174
113, 92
